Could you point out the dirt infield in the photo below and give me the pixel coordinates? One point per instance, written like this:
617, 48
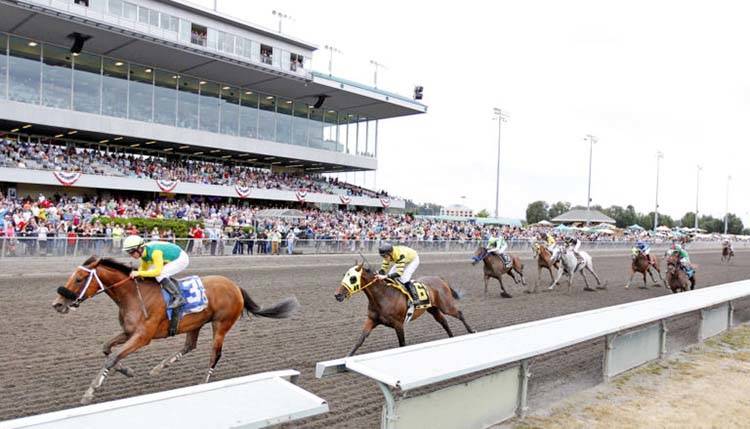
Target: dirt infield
47, 360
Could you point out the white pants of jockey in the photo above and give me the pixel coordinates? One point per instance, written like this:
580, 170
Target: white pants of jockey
408, 270
173, 268
498, 250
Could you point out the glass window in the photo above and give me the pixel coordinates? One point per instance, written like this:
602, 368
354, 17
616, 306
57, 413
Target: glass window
351, 143
230, 99
130, 11
98, 5
329, 131
284, 121
244, 47
169, 22
57, 77
3, 63
115, 88
372, 135
87, 81
341, 132
249, 114
153, 18
115, 7
295, 62
187, 102
198, 35
185, 30
209, 106
226, 42
361, 135
165, 97
266, 54
267, 120
299, 126
25, 70
143, 15
141, 92
315, 129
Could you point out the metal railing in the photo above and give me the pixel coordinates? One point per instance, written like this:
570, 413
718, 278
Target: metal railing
112, 246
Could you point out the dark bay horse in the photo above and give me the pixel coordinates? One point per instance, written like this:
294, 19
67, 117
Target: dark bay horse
544, 260
143, 313
387, 305
677, 278
726, 254
645, 264
494, 267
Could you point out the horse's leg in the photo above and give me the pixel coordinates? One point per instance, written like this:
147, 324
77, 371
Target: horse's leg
536, 283
586, 282
650, 271
599, 285
400, 334
520, 273
220, 328
366, 329
486, 279
630, 280
191, 340
135, 342
107, 349
556, 280
438, 315
505, 293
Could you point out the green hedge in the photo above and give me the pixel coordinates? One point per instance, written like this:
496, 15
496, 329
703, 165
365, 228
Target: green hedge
178, 226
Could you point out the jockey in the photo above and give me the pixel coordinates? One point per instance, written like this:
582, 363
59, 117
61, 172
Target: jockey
729, 245
399, 263
575, 243
551, 242
497, 245
677, 249
159, 260
641, 247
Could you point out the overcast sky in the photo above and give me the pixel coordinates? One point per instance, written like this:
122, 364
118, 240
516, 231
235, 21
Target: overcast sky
642, 76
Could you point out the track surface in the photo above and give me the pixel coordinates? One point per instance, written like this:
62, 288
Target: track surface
48, 359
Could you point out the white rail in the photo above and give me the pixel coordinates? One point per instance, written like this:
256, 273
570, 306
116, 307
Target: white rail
425, 364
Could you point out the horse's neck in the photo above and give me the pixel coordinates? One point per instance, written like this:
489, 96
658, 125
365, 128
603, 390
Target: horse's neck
378, 291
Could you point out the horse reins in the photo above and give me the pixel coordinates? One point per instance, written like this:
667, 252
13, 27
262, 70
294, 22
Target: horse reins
92, 275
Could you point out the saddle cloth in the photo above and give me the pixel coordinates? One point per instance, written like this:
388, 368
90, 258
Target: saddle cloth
194, 293
422, 293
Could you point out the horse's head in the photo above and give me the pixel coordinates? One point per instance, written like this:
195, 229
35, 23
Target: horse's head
352, 282
479, 254
79, 286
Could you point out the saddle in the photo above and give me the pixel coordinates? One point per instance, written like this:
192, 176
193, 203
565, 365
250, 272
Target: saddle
194, 292
423, 296
506, 260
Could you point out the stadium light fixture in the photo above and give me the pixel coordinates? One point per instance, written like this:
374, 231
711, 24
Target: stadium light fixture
117, 138
104, 141
659, 157
198, 153
215, 150
119, 63
501, 117
282, 16
377, 66
14, 130
169, 149
592, 140
332, 50
148, 70
57, 136
26, 126
33, 44
151, 142
135, 145
70, 133
184, 146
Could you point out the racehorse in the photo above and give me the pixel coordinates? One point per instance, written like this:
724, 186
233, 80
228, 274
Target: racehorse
495, 267
571, 266
677, 279
143, 313
726, 254
388, 306
543, 258
645, 264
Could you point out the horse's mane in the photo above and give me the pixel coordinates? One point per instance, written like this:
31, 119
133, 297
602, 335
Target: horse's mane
109, 263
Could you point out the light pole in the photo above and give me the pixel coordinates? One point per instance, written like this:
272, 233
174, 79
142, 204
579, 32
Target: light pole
282, 16
377, 65
501, 117
592, 140
659, 157
726, 212
331, 50
697, 188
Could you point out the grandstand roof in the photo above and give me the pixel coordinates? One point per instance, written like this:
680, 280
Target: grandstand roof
589, 216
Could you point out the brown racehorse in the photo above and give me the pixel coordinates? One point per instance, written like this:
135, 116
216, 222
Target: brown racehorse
495, 267
645, 264
726, 254
677, 278
387, 305
143, 313
543, 260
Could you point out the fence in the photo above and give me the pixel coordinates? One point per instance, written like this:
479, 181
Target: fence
108, 246
633, 333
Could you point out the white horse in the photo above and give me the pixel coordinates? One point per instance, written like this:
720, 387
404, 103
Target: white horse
570, 266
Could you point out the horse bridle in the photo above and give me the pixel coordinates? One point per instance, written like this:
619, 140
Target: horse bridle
77, 300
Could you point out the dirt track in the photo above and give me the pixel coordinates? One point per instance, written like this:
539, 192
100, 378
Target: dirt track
48, 359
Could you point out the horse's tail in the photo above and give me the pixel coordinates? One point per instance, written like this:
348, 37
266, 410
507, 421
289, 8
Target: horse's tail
456, 294
280, 310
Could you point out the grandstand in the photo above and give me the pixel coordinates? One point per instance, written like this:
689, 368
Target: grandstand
171, 84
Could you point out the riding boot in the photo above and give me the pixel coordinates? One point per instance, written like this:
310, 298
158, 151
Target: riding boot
412, 290
173, 289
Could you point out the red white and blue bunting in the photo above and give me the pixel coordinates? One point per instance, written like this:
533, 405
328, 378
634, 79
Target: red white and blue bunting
242, 191
345, 200
301, 195
385, 202
66, 178
166, 185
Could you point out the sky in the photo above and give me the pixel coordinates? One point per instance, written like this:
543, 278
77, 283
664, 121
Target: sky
641, 76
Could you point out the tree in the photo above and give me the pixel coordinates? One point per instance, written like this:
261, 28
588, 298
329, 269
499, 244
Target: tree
688, 220
711, 224
537, 211
558, 208
734, 224
483, 213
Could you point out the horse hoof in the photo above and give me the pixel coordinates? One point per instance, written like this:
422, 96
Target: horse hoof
87, 399
506, 295
127, 372
154, 372
602, 287
588, 289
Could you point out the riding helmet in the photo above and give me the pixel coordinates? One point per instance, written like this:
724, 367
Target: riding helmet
385, 249
132, 242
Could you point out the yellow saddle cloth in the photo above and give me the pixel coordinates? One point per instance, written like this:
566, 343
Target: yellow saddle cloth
422, 294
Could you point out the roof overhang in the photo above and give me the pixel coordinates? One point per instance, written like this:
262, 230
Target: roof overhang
52, 26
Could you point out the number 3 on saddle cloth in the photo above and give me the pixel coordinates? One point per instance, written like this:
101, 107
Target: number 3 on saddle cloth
195, 296
422, 303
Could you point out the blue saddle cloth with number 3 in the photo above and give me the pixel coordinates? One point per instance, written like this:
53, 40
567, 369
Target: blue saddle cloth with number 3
194, 293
